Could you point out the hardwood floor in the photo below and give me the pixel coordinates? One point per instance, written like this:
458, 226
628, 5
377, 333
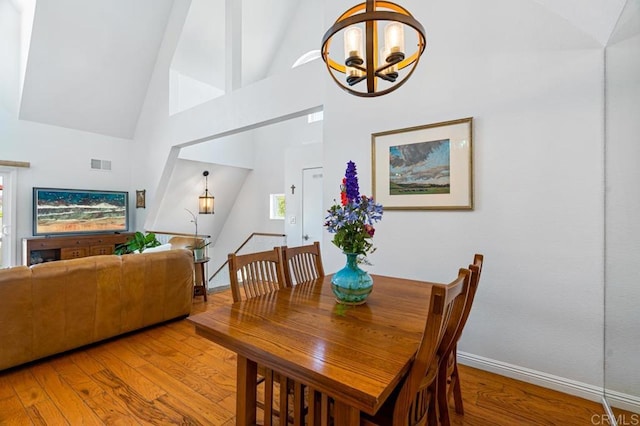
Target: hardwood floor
168, 375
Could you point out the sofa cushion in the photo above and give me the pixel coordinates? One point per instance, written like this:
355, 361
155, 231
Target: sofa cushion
15, 303
66, 293
157, 302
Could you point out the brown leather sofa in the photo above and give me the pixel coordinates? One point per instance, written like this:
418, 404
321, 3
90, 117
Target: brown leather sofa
57, 306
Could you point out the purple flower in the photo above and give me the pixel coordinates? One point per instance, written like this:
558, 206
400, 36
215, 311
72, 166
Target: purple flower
351, 182
352, 219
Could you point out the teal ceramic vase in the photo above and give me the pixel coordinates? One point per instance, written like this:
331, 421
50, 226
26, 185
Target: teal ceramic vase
351, 285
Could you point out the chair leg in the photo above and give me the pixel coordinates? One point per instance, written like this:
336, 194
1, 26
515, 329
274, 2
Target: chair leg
268, 397
441, 394
283, 411
455, 383
432, 413
298, 404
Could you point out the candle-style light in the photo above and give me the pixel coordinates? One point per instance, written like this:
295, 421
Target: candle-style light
353, 52
394, 40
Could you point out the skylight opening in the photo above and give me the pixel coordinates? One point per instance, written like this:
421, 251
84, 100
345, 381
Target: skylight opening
311, 55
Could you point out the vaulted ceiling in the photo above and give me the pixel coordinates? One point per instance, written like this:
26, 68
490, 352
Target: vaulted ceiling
90, 62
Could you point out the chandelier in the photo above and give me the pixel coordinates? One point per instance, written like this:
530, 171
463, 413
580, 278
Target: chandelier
381, 68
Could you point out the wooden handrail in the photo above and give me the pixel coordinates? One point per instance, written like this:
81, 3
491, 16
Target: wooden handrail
179, 234
7, 163
254, 234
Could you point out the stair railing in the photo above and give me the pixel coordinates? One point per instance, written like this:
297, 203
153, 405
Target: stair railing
249, 238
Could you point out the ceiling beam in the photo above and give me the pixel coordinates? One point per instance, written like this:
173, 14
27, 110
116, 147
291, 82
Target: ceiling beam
233, 45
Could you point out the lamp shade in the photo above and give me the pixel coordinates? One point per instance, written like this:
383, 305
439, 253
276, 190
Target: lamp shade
205, 201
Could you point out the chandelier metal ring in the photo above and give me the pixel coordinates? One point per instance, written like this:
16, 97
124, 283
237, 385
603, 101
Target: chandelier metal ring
356, 68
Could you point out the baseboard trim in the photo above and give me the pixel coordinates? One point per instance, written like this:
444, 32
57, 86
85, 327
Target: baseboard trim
572, 387
561, 384
623, 401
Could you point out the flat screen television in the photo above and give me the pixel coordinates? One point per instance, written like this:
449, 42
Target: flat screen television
76, 211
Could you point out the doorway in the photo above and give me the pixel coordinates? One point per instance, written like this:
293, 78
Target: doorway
7, 210
312, 213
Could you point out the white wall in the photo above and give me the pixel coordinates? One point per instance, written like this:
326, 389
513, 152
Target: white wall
304, 34
10, 50
232, 150
61, 158
185, 185
622, 336
536, 98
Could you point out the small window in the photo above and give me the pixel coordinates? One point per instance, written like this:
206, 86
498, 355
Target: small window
276, 206
315, 116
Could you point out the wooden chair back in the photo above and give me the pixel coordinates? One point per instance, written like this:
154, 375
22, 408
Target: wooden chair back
416, 403
302, 264
255, 274
448, 378
185, 242
476, 270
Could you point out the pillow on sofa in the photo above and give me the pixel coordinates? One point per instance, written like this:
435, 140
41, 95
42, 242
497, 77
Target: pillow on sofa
162, 247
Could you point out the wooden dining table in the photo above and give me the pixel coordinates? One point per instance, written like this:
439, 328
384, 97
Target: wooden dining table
355, 355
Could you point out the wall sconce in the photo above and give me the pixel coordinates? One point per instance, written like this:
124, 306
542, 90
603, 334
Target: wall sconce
205, 201
364, 57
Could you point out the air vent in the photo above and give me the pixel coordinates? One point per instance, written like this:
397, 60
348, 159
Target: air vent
100, 164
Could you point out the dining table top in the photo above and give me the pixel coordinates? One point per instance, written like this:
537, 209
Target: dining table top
356, 354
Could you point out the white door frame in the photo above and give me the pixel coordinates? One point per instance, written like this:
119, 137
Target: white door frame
9, 183
305, 196
297, 158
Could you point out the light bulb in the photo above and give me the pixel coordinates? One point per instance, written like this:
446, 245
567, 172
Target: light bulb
394, 37
353, 44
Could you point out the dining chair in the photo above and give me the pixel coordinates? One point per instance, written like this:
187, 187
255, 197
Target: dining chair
255, 274
185, 242
252, 275
302, 264
413, 402
448, 378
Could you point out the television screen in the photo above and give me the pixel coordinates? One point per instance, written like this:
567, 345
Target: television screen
74, 211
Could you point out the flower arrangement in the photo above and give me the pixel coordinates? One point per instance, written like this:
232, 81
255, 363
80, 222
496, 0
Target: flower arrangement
352, 220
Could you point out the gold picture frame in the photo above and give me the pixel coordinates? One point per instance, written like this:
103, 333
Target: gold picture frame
427, 167
141, 199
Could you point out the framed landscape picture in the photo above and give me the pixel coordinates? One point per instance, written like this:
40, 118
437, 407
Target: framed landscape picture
424, 167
